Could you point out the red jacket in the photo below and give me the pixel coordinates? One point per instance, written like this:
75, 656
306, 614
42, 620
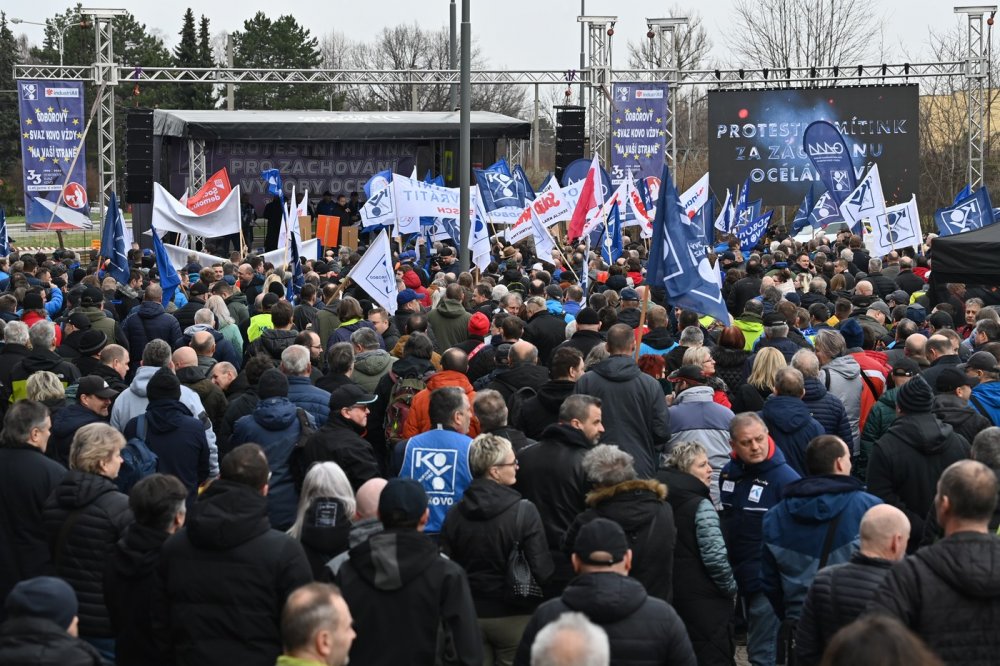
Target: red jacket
419, 418
412, 281
31, 316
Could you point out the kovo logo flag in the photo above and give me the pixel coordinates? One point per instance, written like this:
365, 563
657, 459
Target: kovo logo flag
828, 152
973, 212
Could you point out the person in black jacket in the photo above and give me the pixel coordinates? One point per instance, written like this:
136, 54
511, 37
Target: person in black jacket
222, 580
15, 349
42, 628
27, 477
551, 475
340, 440
524, 371
327, 506
149, 322
84, 517
640, 507
839, 594
544, 330
587, 335
158, 504
951, 404
480, 532
948, 593
93, 401
533, 415
641, 629
402, 592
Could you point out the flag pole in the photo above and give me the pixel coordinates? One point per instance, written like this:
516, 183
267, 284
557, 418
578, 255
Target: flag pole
567, 264
642, 321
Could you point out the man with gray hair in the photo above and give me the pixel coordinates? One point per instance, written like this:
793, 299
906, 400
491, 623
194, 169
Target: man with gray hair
882, 284
15, 348
491, 410
572, 640
43, 356
841, 375
221, 348
296, 363
825, 407
371, 362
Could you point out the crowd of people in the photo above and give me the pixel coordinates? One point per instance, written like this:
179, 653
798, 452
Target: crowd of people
509, 467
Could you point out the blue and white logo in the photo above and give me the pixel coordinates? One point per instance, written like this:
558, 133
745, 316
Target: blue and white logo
29, 91
435, 470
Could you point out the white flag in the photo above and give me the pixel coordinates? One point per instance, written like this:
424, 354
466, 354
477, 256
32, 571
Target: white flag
695, 196
413, 198
897, 227
543, 239
479, 238
169, 214
866, 201
722, 222
551, 205
375, 273
379, 209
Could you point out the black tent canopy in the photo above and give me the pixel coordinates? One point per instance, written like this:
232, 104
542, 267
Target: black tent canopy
969, 258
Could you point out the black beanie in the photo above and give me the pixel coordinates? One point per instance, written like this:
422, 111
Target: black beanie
273, 384
164, 385
915, 396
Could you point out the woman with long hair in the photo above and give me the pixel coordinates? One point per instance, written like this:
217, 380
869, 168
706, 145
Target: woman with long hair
323, 520
760, 383
224, 322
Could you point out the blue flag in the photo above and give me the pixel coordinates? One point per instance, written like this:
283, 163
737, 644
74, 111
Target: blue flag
377, 182
964, 194
679, 261
611, 247
973, 212
169, 279
113, 242
298, 279
826, 148
751, 234
497, 188
704, 221
824, 212
273, 179
525, 192
801, 220
4, 241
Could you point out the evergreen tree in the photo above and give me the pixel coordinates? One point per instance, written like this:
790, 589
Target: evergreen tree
189, 53
282, 44
10, 139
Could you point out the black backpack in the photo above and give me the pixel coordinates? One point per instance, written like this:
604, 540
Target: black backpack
296, 461
138, 460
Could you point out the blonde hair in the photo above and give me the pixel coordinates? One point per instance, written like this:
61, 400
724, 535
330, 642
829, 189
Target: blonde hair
325, 479
45, 386
696, 356
765, 366
485, 451
218, 306
93, 444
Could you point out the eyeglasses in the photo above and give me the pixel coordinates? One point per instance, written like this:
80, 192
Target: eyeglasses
510, 464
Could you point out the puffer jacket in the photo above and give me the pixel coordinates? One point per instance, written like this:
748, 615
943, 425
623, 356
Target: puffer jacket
311, 398
837, 597
370, 367
542, 410
696, 417
642, 629
272, 341
275, 426
907, 462
703, 580
418, 420
792, 427
828, 410
640, 507
748, 491
729, 366
510, 381
71, 418
842, 377
36, 361
986, 399
149, 322
658, 341
949, 595
479, 533
634, 402
957, 413
34, 641
450, 321
84, 518
877, 424
795, 533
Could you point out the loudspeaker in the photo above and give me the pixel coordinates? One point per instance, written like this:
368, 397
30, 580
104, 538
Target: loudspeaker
139, 156
570, 125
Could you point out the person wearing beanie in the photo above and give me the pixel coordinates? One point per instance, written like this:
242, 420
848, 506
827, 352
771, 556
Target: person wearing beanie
908, 459
587, 334
276, 424
479, 330
41, 626
168, 429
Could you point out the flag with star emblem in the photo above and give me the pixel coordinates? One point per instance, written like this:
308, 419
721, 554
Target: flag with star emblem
639, 115
55, 174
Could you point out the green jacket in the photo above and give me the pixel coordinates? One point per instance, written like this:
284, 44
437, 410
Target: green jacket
102, 322
881, 416
327, 322
752, 327
285, 660
237, 305
450, 322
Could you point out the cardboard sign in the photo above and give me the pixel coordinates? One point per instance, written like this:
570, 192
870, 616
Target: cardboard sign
328, 230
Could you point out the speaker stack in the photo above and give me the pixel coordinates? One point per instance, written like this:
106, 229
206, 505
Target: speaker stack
569, 136
139, 156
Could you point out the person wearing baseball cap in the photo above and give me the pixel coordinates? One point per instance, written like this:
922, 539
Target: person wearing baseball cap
92, 405
41, 628
986, 394
92, 306
951, 404
340, 438
398, 578
604, 592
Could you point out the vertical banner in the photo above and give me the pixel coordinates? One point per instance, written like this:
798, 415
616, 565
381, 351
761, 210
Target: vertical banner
52, 125
639, 115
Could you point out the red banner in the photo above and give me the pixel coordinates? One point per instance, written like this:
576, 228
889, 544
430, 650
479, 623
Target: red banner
211, 195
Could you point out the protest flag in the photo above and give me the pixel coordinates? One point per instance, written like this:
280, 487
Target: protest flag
112, 242
374, 273
801, 220
972, 212
590, 198
169, 279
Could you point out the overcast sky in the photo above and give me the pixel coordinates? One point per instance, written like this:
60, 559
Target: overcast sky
516, 34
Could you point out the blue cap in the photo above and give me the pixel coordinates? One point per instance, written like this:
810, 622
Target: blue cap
409, 254
406, 296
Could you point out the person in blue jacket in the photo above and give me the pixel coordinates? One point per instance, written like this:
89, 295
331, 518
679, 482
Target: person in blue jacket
788, 418
817, 524
985, 395
750, 484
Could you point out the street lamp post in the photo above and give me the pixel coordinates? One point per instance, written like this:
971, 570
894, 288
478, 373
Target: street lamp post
60, 28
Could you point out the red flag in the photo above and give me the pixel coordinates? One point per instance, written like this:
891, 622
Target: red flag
211, 195
589, 199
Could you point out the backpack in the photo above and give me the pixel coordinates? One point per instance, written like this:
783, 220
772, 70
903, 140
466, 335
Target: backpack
517, 401
138, 460
296, 459
400, 399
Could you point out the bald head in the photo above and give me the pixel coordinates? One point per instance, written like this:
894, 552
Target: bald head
185, 357
367, 497
864, 288
966, 497
885, 531
523, 352
203, 343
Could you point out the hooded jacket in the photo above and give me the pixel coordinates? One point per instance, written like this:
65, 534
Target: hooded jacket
542, 410
642, 629
986, 399
640, 507
658, 341
827, 409
792, 427
223, 579
508, 382
370, 367
634, 402
546, 331
275, 426
340, 441
729, 366
99, 320
36, 361
949, 595
795, 534
35, 641
747, 492
178, 439
957, 413
71, 418
128, 587
311, 398
419, 420
907, 462
325, 534
842, 377
479, 534
752, 326
272, 341
92, 514
237, 306
450, 322
695, 416
407, 599
149, 322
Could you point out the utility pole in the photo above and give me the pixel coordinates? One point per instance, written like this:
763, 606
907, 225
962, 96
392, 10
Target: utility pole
465, 139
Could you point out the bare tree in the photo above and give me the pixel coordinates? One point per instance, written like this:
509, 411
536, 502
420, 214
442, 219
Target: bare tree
804, 33
693, 45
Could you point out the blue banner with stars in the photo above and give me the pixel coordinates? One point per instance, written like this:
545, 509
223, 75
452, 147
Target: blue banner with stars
51, 131
639, 115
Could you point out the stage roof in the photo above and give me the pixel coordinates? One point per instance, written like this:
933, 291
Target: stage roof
332, 125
